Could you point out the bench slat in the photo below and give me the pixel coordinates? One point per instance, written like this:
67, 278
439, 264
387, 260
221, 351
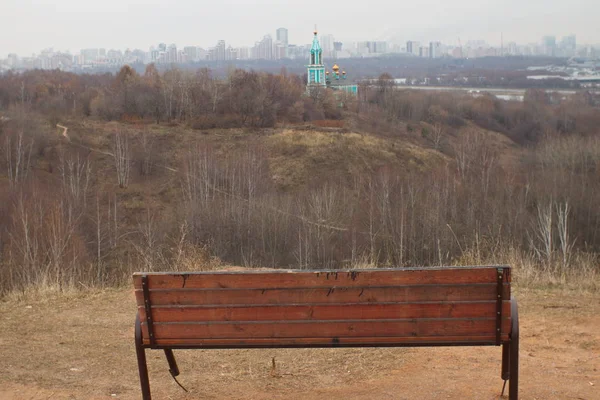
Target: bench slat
327, 342
294, 279
325, 311
328, 329
398, 294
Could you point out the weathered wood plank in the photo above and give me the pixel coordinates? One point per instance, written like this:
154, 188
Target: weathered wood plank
478, 292
328, 329
268, 279
325, 312
328, 342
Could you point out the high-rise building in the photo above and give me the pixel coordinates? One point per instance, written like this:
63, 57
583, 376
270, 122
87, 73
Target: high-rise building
435, 49
89, 55
231, 53
412, 47
202, 54
279, 51
568, 45
137, 55
153, 54
172, 54
549, 45
221, 50
380, 47
327, 46
13, 60
282, 36
263, 50
362, 48
243, 53
281, 44
298, 52
191, 53
372, 47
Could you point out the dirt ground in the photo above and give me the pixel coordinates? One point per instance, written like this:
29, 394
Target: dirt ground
81, 347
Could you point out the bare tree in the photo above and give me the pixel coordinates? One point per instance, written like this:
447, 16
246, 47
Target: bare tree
122, 158
437, 133
18, 156
562, 224
60, 235
464, 155
75, 174
544, 233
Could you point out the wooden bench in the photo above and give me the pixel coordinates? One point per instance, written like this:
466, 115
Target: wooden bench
452, 306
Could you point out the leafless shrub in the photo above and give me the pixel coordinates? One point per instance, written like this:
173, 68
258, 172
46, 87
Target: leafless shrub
150, 246
75, 175
437, 133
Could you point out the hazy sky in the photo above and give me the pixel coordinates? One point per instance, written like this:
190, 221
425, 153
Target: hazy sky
27, 26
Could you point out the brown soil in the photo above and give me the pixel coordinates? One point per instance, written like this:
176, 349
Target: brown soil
81, 347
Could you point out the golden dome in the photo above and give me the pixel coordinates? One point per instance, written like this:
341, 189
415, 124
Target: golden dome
336, 68
326, 72
343, 72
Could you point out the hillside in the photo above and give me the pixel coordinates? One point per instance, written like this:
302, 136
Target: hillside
205, 195
104, 175
295, 154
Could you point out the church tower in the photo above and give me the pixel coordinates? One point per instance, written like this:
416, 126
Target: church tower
316, 68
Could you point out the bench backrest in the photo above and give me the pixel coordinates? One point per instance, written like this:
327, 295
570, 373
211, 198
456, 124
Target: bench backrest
391, 307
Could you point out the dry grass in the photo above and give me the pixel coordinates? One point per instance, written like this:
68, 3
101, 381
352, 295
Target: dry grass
582, 273
79, 345
296, 156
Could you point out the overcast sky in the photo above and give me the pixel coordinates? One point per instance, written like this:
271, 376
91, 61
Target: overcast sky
27, 26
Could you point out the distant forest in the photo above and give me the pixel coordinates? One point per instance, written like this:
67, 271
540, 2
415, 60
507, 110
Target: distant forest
504, 72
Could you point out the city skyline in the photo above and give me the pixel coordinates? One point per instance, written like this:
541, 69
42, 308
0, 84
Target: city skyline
281, 35
73, 26
504, 40
268, 48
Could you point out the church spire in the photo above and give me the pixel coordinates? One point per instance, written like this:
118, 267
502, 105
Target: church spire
316, 69
315, 51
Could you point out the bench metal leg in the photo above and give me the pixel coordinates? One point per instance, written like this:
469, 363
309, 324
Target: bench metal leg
506, 361
141, 357
505, 366
513, 391
173, 369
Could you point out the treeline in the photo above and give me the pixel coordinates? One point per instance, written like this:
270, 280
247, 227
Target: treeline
475, 78
66, 217
540, 114
243, 99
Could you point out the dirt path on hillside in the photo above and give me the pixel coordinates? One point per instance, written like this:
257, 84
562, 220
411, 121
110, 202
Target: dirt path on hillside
64, 132
81, 347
